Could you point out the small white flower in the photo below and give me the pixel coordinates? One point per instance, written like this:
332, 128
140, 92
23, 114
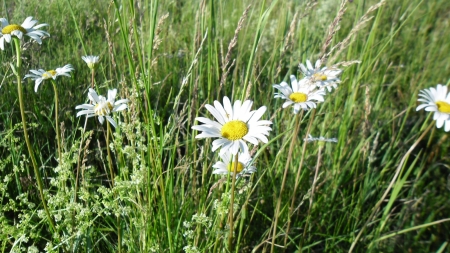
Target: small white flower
321, 138
27, 28
322, 77
41, 75
302, 94
226, 166
102, 107
91, 60
438, 101
235, 125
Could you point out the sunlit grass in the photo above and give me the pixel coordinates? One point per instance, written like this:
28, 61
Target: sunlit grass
386, 173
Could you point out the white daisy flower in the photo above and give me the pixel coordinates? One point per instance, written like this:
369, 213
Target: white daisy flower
102, 107
302, 94
235, 125
438, 101
40, 75
322, 77
27, 28
226, 166
91, 60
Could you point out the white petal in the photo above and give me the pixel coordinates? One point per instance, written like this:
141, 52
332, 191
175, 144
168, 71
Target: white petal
85, 106
257, 115
111, 120
216, 114
439, 123
37, 83
227, 107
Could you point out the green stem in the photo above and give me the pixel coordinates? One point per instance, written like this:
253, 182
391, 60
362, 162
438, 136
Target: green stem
58, 133
231, 216
25, 131
77, 176
111, 171
297, 179
286, 169
92, 77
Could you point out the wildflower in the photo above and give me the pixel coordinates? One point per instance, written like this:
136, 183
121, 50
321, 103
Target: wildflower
302, 94
226, 166
91, 60
102, 107
322, 77
27, 28
40, 75
234, 126
438, 101
321, 138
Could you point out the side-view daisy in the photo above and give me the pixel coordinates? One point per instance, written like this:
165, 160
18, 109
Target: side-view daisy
322, 77
102, 107
226, 166
438, 101
40, 75
28, 28
235, 125
91, 60
303, 95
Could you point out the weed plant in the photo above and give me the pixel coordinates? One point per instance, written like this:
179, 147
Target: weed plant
362, 171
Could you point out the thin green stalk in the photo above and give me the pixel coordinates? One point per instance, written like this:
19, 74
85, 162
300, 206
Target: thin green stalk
58, 134
286, 169
111, 171
410, 229
25, 132
391, 184
92, 77
77, 175
311, 199
231, 216
297, 179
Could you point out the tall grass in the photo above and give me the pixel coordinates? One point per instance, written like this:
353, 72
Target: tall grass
382, 187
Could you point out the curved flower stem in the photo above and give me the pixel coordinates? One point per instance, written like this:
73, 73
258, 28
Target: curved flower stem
25, 132
92, 77
297, 179
286, 169
311, 199
58, 134
231, 212
111, 171
77, 176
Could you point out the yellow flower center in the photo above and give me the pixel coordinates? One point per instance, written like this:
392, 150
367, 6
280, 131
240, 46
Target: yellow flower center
320, 77
10, 28
91, 65
103, 109
443, 106
48, 74
239, 168
234, 130
298, 97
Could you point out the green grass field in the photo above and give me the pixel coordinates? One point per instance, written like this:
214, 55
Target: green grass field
76, 185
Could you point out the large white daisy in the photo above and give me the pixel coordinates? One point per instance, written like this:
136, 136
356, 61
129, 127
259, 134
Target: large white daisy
322, 77
102, 107
40, 75
438, 101
226, 166
303, 95
28, 28
235, 125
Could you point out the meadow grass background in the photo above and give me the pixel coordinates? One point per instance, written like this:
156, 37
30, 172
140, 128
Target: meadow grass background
165, 197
